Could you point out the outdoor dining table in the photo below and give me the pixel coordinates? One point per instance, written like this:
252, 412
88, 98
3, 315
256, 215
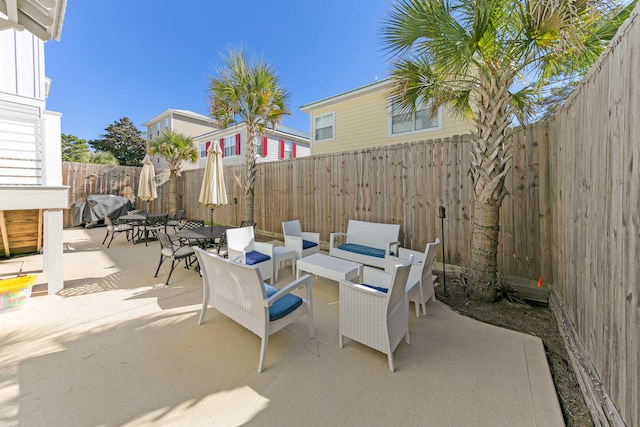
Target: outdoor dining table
204, 236
137, 221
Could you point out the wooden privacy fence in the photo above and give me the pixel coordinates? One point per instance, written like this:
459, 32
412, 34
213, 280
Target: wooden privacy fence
595, 176
87, 178
403, 184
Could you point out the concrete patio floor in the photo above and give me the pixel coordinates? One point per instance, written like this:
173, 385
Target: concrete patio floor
118, 348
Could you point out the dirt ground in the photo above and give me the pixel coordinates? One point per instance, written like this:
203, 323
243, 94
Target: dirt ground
531, 319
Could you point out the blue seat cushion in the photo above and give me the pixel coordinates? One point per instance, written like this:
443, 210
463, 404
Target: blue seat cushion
363, 250
307, 244
377, 288
254, 257
282, 306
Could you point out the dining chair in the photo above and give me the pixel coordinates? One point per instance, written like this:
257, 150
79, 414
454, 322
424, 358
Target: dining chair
174, 221
115, 229
153, 224
176, 252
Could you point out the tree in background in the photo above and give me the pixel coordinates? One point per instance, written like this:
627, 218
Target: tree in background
124, 141
102, 158
247, 92
175, 148
74, 149
488, 60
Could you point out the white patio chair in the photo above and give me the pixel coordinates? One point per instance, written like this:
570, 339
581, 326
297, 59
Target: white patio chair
242, 247
239, 292
421, 272
375, 313
303, 243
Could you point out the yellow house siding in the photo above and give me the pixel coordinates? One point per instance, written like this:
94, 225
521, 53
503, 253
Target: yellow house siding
363, 122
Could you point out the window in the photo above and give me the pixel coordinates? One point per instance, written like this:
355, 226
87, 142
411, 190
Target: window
323, 126
149, 133
158, 128
204, 146
288, 150
230, 146
261, 146
166, 123
402, 121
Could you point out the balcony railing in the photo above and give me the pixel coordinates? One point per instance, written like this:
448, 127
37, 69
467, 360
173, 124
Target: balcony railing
21, 151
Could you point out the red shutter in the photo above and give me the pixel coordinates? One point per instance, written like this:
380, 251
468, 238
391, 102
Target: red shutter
237, 144
222, 146
293, 150
206, 151
282, 149
265, 141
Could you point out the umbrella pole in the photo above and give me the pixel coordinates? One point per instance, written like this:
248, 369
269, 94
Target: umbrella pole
211, 225
147, 206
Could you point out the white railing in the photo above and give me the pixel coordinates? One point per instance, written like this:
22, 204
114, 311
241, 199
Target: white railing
21, 151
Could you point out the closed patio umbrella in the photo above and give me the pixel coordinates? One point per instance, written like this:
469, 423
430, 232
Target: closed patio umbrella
147, 187
213, 192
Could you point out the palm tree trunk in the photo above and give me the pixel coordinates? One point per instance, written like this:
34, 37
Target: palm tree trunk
173, 194
249, 198
250, 178
484, 251
490, 156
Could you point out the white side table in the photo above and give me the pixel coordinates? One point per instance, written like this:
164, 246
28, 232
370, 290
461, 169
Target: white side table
280, 255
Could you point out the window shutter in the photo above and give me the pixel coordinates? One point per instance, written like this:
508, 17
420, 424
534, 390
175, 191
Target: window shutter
237, 144
293, 150
265, 141
206, 151
222, 146
282, 149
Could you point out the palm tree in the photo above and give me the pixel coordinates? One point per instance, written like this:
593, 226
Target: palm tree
488, 59
249, 93
175, 148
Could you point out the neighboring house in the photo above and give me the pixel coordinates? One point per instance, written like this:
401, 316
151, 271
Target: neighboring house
280, 144
363, 118
182, 121
30, 147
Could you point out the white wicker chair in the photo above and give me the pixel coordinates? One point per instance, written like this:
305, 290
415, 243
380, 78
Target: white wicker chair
421, 272
238, 291
303, 243
373, 317
242, 246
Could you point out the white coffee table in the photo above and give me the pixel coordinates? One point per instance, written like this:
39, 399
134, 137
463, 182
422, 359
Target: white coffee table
329, 267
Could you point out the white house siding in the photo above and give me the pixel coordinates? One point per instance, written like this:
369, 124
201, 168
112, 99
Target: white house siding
273, 145
22, 106
22, 70
186, 125
30, 159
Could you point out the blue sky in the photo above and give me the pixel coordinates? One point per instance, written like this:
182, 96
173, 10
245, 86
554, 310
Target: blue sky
136, 58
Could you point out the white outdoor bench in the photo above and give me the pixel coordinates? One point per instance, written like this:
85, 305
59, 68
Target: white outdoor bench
366, 242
